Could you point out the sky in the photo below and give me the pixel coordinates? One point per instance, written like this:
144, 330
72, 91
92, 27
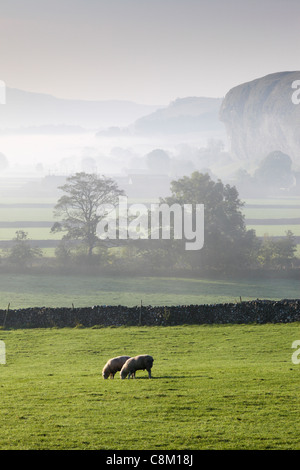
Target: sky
147, 51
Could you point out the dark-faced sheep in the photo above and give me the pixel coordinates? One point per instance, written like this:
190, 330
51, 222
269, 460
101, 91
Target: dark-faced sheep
133, 364
113, 365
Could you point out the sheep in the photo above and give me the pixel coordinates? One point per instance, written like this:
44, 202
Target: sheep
113, 365
133, 364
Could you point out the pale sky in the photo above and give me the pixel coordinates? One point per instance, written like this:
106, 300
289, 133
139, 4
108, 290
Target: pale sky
148, 51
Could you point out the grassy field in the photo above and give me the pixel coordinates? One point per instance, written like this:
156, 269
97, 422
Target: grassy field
213, 387
35, 210
272, 210
271, 213
25, 291
41, 210
34, 233
274, 230
62, 291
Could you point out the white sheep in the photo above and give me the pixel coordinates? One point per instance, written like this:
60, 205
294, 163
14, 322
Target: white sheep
113, 365
133, 364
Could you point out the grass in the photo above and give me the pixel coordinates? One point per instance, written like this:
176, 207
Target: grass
28, 214
274, 230
214, 387
61, 291
273, 201
34, 233
271, 213
269, 210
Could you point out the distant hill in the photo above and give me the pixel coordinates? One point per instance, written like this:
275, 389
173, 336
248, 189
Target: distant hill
260, 117
184, 115
28, 110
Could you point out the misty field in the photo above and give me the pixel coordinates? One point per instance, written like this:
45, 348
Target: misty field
274, 230
213, 387
24, 212
62, 291
35, 217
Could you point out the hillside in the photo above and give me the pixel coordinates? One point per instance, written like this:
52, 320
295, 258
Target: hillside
184, 115
26, 110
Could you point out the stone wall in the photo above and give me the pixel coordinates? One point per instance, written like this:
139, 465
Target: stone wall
258, 311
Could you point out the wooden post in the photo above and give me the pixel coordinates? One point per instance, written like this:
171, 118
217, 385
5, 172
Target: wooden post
140, 317
6, 315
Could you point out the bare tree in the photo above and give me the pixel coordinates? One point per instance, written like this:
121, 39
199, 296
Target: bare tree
77, 208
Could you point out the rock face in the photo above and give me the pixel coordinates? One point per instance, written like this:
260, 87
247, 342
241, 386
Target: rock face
260, 117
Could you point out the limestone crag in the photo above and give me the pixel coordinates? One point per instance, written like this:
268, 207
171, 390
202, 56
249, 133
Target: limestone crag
260, 117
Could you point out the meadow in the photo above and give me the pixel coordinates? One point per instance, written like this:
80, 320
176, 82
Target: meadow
213, 387
21, 291
35, 216
24, 212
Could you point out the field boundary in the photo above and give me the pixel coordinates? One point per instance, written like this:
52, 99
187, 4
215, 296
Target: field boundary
258, 311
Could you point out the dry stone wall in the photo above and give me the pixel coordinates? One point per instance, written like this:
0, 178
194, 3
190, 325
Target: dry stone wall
258, 311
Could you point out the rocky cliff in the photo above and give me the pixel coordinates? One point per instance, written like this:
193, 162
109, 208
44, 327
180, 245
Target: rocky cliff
260, 117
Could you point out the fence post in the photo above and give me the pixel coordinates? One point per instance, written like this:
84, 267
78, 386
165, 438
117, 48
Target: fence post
140, 316
6, 315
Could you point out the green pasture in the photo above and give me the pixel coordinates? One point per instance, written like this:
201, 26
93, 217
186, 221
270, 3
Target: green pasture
62, 291
27, 214
273, 201
271, 213
274, 230
15, 210
27, 199
213, 387
34, 233
43, 233
272, 209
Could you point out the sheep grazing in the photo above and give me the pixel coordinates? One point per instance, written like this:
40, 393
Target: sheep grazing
113, 365
133, 364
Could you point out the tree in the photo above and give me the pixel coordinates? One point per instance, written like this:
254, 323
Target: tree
275, 170
158, 161
278, 254
22, 253
77, 208
227, 243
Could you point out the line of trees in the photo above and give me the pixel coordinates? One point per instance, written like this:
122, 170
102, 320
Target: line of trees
228, 246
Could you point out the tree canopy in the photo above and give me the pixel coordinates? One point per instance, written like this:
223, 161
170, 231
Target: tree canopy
227, 243
77, 207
